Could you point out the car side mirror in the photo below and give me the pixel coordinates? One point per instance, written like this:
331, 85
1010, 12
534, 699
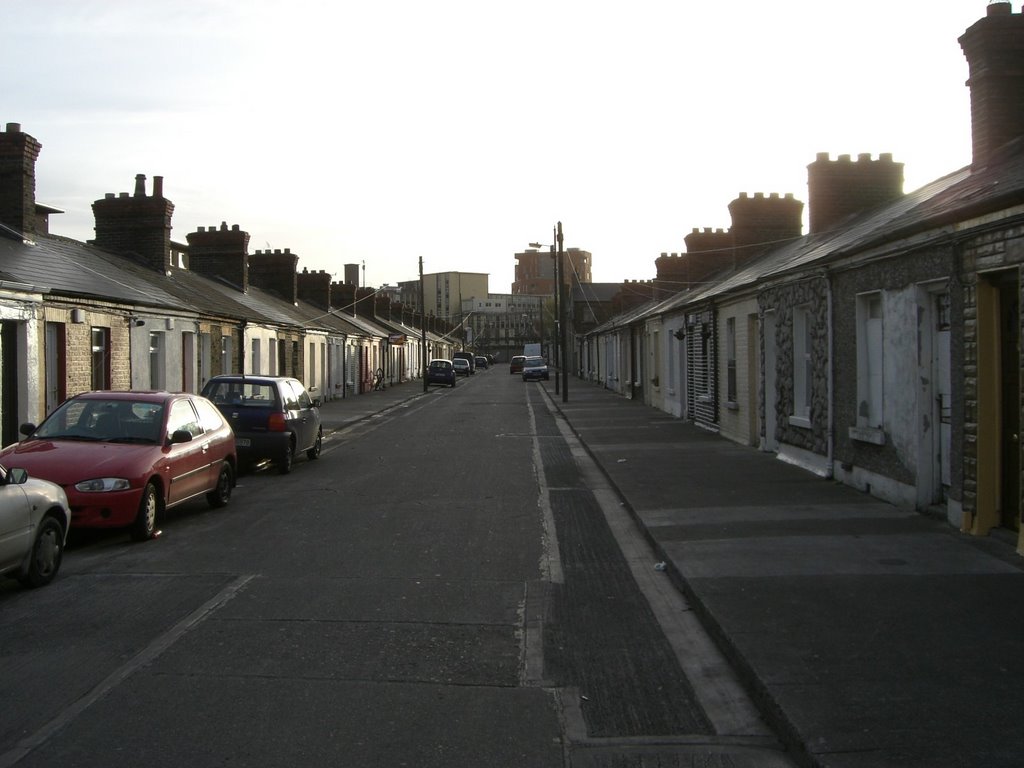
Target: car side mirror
27, 429
181, 436
16, 476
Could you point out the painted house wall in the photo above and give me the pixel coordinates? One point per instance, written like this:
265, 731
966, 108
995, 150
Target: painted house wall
893, 461
804, 442
27, 402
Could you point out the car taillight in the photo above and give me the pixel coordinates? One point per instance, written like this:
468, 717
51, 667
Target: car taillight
277, 423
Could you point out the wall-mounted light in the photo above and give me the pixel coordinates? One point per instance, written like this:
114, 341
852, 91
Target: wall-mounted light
136, 322
679, 333
78, 316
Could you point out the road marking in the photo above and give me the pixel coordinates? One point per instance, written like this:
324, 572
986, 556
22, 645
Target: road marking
534, 605
717, 688
122, 673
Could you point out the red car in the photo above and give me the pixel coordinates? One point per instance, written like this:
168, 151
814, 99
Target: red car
124, 458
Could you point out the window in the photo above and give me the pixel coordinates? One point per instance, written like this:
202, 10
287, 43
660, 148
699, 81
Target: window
226, 354
156, 360
869, 361
56, 365
255, 357
100, 358
182, 416
209, 417
730, 359
802, 369
312, 364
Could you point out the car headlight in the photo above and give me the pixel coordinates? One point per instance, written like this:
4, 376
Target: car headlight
103, 484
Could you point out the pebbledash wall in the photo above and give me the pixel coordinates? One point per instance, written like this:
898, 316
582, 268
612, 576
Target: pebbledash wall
810, 293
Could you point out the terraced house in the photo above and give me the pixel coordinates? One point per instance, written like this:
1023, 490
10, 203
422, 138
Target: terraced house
881, 348
133, 309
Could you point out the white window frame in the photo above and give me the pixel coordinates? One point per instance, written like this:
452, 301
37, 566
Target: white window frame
226, 354
157, 360
255, 357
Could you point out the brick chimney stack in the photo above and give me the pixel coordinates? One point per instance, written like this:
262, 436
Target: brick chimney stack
220, 253
841, 188
275, 272
366, 303
18, 154
315, 287
707, 251
760, 223
344, 296
994, 47
136, 225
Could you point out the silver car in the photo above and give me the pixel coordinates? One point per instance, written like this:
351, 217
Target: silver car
34, 521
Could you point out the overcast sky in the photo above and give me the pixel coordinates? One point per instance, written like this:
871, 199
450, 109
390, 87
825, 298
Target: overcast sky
460, 131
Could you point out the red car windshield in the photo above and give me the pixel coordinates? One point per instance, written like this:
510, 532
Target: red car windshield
114, 421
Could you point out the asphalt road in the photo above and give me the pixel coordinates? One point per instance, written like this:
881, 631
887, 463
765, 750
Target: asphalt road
445, 586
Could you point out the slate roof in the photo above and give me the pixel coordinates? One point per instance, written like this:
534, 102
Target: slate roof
62, 266
956, 197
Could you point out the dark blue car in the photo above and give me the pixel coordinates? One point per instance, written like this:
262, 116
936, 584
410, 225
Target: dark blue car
441, 371
273, 417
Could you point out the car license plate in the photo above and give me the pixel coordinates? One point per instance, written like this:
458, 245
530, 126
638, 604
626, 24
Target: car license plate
242, 442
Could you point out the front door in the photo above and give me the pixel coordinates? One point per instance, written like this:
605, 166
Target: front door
998, 443
771, 442
1009, 323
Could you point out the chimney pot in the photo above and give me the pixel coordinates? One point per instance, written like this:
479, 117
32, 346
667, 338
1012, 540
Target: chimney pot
158, 187
140, 185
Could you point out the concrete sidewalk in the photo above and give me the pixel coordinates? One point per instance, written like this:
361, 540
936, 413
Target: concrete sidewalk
869, 635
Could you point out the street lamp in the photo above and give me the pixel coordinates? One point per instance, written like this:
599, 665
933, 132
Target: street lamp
554, 333
560, 309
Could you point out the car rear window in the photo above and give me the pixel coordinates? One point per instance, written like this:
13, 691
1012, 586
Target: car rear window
242, 393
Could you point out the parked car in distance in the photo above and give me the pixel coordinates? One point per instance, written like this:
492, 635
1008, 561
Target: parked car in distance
441, 371
481, 362
467, 356
125, 458
273, 417
34, 522
461, 366
516, 366
534, 369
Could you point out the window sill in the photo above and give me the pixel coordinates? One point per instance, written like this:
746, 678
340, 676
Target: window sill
732, 405
871, 435
800, 421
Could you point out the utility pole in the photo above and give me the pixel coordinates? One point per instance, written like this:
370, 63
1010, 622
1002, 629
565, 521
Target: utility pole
423, 330
562, 320
558, 318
